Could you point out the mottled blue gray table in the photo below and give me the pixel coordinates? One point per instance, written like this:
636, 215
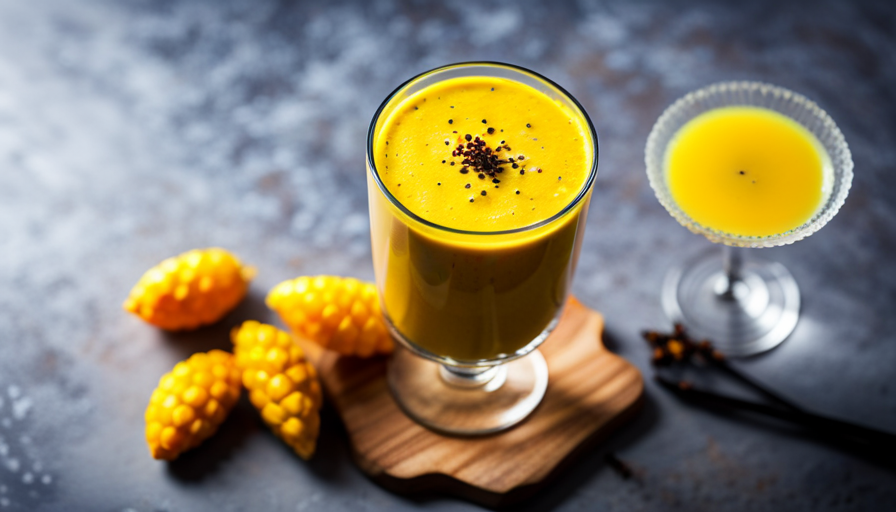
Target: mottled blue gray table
136, 130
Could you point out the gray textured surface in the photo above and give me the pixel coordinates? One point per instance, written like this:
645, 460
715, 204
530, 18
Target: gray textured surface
133, 131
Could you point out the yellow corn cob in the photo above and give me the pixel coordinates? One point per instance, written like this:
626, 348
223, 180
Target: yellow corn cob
190, 403
341, 314
193, 289
282, 385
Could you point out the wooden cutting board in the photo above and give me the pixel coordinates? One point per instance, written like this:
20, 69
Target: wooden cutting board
591, 391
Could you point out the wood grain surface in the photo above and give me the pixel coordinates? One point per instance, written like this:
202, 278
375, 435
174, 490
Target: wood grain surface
590, 392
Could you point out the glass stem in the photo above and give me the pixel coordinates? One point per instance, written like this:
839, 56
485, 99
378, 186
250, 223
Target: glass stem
732, 263
468, 377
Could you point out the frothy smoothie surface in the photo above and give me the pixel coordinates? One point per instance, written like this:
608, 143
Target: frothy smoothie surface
483, 154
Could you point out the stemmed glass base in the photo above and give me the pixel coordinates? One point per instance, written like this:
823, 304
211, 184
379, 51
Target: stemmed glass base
462, 401
743, 307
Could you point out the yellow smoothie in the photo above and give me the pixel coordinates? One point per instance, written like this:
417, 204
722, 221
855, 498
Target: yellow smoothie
483, 156
746, 171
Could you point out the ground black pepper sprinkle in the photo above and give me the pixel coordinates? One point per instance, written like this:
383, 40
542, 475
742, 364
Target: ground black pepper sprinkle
451, 121
467, 185
439, 183
528, 125
496, 180
490, 130
481, 159
484, 121
471, 199
517, 192
522, 171
443, 161
447, 143
484, 192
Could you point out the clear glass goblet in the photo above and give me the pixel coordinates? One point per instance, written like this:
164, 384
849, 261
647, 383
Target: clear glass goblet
469, 308
744, 305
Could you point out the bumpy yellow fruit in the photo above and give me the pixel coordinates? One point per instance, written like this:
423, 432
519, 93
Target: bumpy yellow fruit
341, 314
193, 289
282, 385
191, 402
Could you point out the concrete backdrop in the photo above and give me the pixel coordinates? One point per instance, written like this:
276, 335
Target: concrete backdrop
132, 131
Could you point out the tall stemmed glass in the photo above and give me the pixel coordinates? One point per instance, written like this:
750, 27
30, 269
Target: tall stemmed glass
469, 308
745, 305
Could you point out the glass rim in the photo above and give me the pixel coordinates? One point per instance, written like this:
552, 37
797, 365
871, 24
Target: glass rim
826, 210
544, 222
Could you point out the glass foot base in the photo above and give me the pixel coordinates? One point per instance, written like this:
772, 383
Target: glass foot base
754, 315
451, 403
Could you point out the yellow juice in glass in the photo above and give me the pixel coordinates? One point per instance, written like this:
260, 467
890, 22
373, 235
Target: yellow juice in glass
475, 252
747, 171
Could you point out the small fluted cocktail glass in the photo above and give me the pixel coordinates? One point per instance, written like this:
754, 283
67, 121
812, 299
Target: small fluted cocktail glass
744, 305
469, 308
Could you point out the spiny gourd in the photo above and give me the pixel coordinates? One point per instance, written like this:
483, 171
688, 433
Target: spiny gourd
195, 288
340, 314
190, 403
282, 385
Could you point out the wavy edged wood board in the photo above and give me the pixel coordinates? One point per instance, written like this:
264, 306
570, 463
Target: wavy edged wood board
591, 391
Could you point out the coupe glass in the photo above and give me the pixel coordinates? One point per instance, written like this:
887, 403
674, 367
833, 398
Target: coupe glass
745, 306
469, 308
